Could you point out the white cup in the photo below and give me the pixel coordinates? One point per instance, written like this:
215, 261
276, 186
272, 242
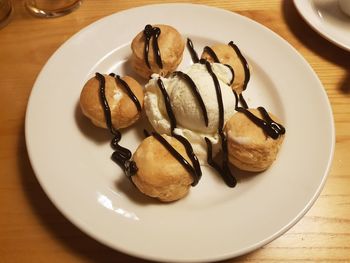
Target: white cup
345, 6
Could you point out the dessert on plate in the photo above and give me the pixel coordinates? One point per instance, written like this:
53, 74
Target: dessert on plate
156, 49
160, 174
123, 95
231, 56
250, 146
192, 98
198, 114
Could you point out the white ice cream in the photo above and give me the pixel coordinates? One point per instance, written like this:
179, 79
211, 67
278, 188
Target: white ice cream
189, 116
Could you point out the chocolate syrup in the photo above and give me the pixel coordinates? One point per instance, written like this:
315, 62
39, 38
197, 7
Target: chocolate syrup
215, 58
232, 72
193, 52
196, 93
178, 156
218, 95
211, 53
240, 99
168, 107
244, 63
243, 102
128, 90
196, 170
146, 133
120, 155
150, 32
271, 128
224, 171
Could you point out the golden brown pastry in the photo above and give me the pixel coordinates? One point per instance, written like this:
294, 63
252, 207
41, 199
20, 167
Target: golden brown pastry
124, 111
160, 174
250, 148
171, 46
226, 54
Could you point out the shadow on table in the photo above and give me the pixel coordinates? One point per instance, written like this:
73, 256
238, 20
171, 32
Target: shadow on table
61, 229
315, 42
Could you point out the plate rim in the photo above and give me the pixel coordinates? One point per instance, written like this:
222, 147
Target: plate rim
80, 225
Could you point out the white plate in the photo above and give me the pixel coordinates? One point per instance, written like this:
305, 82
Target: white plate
327, 19
71, 157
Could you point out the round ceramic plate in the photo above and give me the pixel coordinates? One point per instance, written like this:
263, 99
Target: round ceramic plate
71, 157
327, 19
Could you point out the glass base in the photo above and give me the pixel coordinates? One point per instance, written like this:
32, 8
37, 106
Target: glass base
48, 13
6, 19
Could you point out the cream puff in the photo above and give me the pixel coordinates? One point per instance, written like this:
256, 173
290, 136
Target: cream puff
157, 49
254, 138
231, 56
160, 174
124, 97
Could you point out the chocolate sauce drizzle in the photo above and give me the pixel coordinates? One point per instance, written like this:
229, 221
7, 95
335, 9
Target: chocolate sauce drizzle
146, 133
128, 91
223, 170
232, 72
195, 171
196, 93
211, 53
148, 33
193, 52
270, 127
178, 156
120, 155
244, 63
215, 58
243, 102
168, 107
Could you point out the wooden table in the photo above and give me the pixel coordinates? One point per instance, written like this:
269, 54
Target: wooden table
33, 230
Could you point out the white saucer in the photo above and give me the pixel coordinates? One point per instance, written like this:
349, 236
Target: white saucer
326, 17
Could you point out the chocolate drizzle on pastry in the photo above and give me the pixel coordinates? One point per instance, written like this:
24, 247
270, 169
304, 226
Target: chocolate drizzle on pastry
211, 53
195, 171
195, 92
120, 155
192, 170
193, 52
243, 102
270, 127
128, 91
215, 58
244, 63
154, 32
232, 72
223, 170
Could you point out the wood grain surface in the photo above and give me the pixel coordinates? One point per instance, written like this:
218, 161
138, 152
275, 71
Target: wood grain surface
33, 230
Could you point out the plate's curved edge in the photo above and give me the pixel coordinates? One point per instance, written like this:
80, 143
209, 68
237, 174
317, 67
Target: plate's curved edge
299, 6
312, 201
85, 229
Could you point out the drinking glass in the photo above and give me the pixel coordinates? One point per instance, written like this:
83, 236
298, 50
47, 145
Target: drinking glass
6, 10
51, 8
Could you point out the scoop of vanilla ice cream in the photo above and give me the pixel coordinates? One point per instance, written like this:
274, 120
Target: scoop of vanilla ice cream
188, 114
186, 107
